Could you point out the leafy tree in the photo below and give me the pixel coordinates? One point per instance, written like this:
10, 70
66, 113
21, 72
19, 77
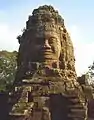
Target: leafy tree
8, 68
90, 74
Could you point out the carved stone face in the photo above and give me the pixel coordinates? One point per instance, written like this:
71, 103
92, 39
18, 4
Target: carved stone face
46, 46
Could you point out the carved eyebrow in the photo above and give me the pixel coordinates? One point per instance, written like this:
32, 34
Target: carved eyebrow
53, 37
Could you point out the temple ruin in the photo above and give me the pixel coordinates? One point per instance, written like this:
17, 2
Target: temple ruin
46, 87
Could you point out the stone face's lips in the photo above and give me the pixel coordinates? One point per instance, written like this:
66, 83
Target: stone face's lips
46, 51
46, 54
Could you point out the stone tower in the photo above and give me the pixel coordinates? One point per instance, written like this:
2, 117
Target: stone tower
46, 86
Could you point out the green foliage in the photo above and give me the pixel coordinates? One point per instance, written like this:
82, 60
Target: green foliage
90, 73
8, 68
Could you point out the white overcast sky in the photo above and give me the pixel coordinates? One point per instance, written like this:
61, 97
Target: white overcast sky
79, 20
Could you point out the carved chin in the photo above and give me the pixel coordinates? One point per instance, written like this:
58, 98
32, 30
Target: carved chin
49, 57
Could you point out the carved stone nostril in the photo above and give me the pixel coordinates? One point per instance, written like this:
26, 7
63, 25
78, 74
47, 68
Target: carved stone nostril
46, 46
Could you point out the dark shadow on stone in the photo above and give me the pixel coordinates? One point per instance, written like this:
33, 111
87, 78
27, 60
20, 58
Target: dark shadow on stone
4, 106
58, 106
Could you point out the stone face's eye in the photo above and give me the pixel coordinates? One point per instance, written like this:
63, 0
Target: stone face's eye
39, 41
52, 40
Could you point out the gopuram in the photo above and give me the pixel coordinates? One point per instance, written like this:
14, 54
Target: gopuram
46, 87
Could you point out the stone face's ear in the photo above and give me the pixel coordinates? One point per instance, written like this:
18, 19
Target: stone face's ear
19, 39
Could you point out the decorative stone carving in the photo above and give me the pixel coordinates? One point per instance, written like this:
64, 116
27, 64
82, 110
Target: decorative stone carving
45, 40
46, 78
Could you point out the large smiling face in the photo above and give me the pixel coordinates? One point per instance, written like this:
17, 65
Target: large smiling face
46, 41
46, 46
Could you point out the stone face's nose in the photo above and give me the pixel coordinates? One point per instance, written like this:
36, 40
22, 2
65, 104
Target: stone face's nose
46, 44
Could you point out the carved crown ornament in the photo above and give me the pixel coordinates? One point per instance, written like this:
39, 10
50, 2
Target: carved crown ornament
39, 28
45, 18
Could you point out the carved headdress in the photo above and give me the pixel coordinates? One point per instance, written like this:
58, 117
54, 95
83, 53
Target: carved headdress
44, 18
